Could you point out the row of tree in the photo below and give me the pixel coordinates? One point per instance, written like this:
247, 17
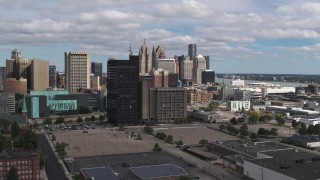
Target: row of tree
60, 119
303, 130
266, 133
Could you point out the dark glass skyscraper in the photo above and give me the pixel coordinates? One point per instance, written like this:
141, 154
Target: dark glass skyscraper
123, 100
192, 51
52, 76
96, 69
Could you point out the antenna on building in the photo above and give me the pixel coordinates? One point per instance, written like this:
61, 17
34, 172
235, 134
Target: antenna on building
130, 50
144, 41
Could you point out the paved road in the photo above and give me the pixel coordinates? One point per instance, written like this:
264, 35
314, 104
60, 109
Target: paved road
53, 168
217, 172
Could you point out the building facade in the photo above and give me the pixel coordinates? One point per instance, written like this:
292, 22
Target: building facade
145, 60
167, 64
160, 78
208, 76
186, 69
199, 65
53, 76
238, 105
192, 51
96, 69
123, 101
2, 77
77, 71
7, 103
39, 75
11, 85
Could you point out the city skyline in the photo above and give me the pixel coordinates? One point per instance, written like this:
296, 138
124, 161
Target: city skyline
278, 37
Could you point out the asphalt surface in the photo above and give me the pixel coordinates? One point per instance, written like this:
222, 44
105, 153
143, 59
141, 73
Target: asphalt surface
53, 168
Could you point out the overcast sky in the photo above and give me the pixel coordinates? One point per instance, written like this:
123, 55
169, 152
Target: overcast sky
245, 36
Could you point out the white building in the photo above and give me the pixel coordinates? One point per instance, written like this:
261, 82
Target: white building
167, 64
77, 71
186, 69
238, 105
237, 82
199, 65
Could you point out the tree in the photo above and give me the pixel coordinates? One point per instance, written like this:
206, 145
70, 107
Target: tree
148, 129
79, 119
262, 132
157, 147
48, 121
253, 136
92, 118
169, 138
203, 142
12, 174
161, 135
273, 132
87, 119
294, 123
139, 137
59, 120
4, 143
4, 125
279, 119
303, 129
244, 130
61, 149
101, 118
233, 121
222, 126
311, 130
254, 117
241, 120
179, 143
233, 130
15, 129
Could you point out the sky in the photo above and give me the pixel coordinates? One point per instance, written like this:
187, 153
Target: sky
241, 36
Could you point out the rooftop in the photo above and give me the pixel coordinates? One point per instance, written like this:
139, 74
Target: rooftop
99, 173
157, 171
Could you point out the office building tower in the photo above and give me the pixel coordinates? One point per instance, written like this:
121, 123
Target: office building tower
11, 85
167, 105
95, 82
173, 79
2, 77
15, 54
39, 73
160, 78
180, 61
77, 71
96, 69
192, 51
145, 85
7, 103
9, 68
123, 99
145, 60
208, 76
186, 68
207, 61
20, 68
199, 65
158, 53
53, 76
176, 61
167, 64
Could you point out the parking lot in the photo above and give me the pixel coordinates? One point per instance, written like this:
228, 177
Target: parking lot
192, 135
91, 142
282, 130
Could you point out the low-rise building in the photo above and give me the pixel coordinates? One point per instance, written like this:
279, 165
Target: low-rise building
7, 103
238, 105
294, 111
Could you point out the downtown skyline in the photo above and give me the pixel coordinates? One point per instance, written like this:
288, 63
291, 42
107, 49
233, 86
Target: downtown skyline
246, 36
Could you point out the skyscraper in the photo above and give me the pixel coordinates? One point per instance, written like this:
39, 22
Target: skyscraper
52, 76
199, 65
158, 53
77, 71
207, 61
160, 78
186, 69
145, 60
123, 100
39, 70
96, 69
192, 51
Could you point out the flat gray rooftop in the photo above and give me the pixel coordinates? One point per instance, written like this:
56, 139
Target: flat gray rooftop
99, 173
158, 171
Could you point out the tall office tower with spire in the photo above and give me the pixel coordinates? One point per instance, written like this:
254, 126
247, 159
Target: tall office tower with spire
199, 65
77, 71
158, 53
192, 51
145, 61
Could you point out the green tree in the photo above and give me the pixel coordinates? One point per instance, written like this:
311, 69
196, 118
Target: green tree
222, 126
157, 147
303, 129
87, 119
4, 143
233, 121
279, 119
233, 130
59, 120
311, 130
92, 118
253, 136
273, 132
241, 120
79, 119
169, 138
294, 123
203, 142
254, 117
61, 149
161, 135
15, 129
12, 174
179, 143
101, 118
48, 121
262, 132
139, 137
244, 130
4, 125
148, 129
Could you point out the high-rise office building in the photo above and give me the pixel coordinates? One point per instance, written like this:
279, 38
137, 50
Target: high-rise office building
77, 71
145, 60
158, 53
9, 68
2, 77
96, 69
167, 64
207, 61
208, 76
192, 51
123, 98
186, 68
53, 76
20, 68
39, 71
160, 78
199, 65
